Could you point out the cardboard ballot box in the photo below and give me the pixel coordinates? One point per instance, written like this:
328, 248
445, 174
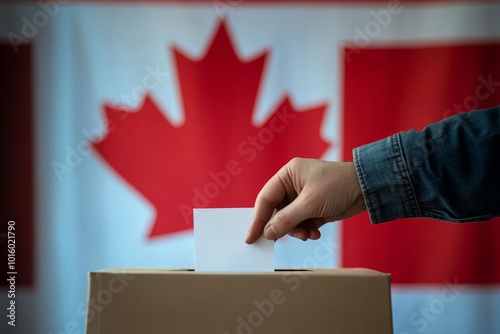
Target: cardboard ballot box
123, 301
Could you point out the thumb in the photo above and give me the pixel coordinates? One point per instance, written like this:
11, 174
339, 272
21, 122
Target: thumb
286, 219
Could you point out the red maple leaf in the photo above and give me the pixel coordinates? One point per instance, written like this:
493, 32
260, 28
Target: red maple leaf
217, 157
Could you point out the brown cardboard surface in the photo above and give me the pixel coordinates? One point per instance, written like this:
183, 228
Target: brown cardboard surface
180, 301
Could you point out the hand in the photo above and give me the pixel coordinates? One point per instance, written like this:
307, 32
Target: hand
306, 193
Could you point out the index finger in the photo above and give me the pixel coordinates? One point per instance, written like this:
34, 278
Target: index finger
271, 195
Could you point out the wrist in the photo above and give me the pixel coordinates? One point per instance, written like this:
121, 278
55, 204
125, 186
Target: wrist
359, 198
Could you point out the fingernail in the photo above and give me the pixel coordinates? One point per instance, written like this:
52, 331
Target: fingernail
271, 232
297, 236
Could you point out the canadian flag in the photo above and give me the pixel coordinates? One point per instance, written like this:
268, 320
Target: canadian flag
119, 118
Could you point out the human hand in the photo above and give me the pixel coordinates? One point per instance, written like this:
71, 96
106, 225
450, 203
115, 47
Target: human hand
306, 193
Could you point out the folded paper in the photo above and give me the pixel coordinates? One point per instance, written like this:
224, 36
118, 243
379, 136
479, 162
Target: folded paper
219, 237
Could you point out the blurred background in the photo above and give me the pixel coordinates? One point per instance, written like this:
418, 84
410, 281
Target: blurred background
118, 117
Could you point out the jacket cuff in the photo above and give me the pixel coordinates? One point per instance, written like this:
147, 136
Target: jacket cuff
385, 180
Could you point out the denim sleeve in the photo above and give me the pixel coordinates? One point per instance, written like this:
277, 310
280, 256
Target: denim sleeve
448, 171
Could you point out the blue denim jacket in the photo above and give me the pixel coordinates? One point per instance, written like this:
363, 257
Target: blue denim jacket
448, 171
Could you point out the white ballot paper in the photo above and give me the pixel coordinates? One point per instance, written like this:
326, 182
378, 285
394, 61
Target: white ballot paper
219, 241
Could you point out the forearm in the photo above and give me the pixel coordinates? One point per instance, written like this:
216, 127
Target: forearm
448, 171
